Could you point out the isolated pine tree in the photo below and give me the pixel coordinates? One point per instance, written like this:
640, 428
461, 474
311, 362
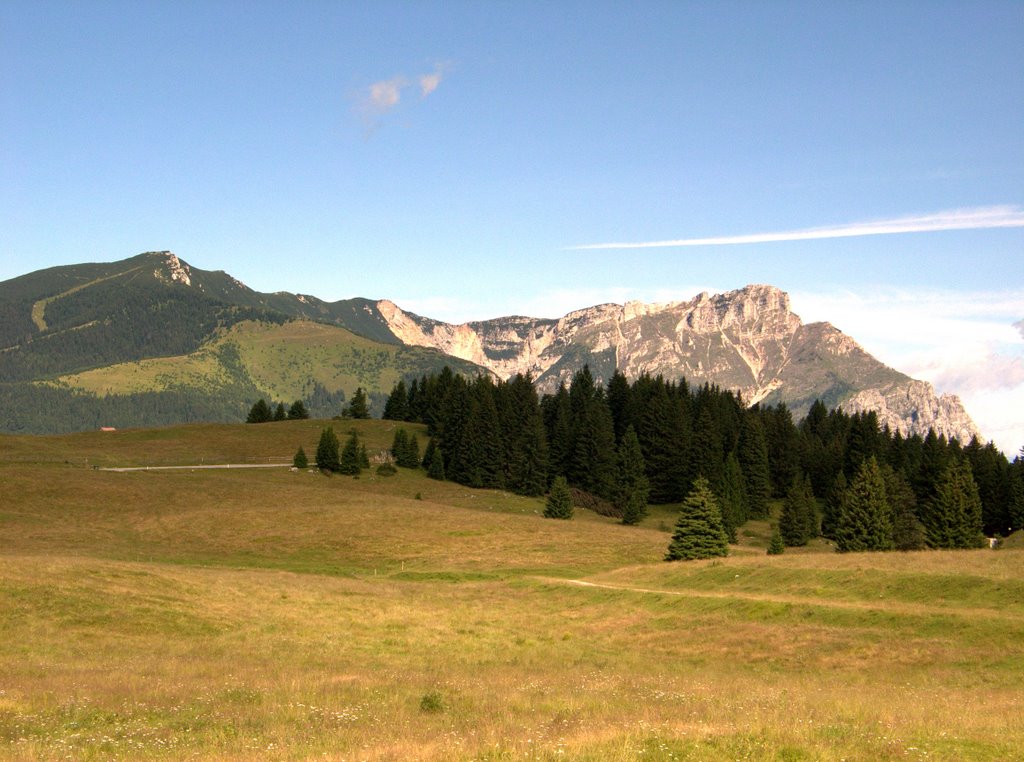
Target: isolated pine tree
952, 518
559, 503
300, 460
349, 462
865, 521
699, 532
632, 487
327, 451
776, 547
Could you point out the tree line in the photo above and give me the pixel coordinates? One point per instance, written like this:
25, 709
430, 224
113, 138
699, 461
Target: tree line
652, 440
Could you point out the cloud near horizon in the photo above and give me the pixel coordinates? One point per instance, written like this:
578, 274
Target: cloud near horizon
1006, 216
964, 343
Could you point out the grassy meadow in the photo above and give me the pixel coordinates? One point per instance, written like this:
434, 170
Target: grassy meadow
242, 614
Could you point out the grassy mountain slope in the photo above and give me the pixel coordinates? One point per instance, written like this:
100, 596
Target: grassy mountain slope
151, 340
240, 614
78, 317
284, 362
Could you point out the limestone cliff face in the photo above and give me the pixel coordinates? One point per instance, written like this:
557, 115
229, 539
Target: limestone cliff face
914, 406
748, 340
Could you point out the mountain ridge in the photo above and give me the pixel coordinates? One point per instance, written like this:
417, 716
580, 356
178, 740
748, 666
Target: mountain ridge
61, 325
747, 340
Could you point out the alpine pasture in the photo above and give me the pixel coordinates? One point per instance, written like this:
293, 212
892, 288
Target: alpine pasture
267, 613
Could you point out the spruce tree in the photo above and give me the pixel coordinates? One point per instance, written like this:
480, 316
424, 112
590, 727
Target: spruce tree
399, 445
1017, 492
783, 442
300, 460
558, 426
952, 518
525, 438
397, 406
327, 451
480, 448
260, 412
428, 454
776, 547
663, 431
907, 531
591, 464
357, 407
753, 457
279, 412
435, 462
349, 462
733, 497
559, 502
833, 506
706, 453
632, 488
411, 456
799, 520
298, 411
865, 520
698, 532
619, 396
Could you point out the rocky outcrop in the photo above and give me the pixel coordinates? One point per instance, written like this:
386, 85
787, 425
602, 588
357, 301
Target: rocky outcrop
913, 407
748, 340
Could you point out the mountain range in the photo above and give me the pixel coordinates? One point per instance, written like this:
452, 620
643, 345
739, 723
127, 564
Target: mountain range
151, 340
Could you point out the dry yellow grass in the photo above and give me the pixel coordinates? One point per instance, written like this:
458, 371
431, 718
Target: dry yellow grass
274, 615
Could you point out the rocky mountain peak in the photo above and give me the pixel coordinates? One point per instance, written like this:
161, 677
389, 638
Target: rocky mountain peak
748, 340
170, 269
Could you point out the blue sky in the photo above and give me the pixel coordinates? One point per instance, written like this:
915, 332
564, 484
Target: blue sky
454, 157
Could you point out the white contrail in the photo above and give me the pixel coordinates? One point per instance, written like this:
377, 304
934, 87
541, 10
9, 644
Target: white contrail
953, 219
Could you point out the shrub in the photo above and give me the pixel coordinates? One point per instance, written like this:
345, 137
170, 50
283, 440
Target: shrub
432, 703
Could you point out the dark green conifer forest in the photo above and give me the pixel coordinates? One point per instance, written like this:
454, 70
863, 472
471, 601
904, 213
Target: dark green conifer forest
838, 475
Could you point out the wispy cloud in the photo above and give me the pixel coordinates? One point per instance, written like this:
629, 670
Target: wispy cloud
953, 219
378, 99
429, 82
383, 96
